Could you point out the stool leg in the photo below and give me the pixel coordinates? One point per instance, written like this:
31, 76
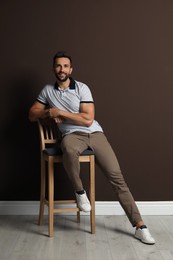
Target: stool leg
51, 194
78, 217
92, 193
42, 191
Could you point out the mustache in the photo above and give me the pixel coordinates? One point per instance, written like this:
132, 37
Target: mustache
60, 73
65, 78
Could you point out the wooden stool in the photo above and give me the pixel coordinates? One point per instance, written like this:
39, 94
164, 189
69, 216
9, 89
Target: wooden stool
50, 154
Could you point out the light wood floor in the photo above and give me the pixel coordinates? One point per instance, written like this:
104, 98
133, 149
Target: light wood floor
22, 239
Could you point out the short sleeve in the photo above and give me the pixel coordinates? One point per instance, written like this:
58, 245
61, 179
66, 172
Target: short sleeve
85, 94
42, 97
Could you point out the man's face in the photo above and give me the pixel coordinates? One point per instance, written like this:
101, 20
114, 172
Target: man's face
62, 69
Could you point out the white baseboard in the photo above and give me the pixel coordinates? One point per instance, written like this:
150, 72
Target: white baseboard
102, 208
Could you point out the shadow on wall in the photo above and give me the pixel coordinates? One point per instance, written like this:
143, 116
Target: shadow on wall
19, 142
20, 154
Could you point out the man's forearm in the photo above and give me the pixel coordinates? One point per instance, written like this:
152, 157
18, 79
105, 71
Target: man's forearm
35, 114
82, 119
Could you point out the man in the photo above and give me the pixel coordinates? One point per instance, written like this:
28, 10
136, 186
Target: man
71, 105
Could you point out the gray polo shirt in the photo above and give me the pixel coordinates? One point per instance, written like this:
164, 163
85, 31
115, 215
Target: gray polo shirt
69, 100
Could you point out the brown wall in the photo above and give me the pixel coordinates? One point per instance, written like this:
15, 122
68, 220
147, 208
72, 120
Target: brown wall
123, 51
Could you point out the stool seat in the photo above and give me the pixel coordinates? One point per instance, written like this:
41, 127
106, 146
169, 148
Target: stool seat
54, 151
51, 154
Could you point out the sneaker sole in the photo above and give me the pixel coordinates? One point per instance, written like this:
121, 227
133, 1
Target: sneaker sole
144, 241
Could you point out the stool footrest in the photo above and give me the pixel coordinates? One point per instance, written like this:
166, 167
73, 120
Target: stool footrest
61, 202
64, 201
63, 210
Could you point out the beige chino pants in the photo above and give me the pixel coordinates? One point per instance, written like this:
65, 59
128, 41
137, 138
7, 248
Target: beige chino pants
73, 144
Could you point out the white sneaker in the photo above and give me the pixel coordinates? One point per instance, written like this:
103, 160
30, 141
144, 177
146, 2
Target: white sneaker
83, 202
144, 235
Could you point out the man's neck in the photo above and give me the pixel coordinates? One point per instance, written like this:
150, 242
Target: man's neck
63, 84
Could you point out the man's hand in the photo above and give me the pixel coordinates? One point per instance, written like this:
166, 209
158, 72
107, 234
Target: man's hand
54, 112
55, 115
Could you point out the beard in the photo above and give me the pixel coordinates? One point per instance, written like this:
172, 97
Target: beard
62, 79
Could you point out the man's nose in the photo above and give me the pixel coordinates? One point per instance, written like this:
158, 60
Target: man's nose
62, 69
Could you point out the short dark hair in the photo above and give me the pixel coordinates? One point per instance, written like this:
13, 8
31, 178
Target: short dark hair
62, 54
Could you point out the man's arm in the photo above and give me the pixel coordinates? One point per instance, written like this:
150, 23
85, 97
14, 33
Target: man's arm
38, 111
84, 118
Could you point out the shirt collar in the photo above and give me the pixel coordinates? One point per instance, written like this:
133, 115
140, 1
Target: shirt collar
71, 86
